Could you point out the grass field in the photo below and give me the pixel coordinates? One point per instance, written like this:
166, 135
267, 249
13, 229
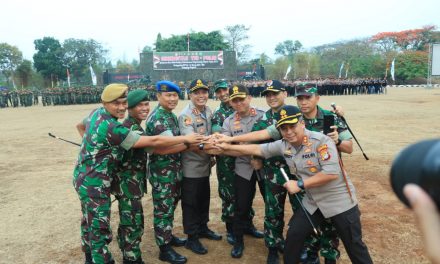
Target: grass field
40, 211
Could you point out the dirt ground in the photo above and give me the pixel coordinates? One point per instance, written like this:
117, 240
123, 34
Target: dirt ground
40, 211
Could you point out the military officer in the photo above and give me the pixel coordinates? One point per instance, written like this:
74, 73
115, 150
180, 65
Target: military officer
241, 122
166, 172
314, 158
103, 142
129, 183
196, 118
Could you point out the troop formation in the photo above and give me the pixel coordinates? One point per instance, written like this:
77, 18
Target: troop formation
91, 94
175, 154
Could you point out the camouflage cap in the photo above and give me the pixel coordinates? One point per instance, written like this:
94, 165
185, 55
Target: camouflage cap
288, 115
222, 83
198, 84
306, 89
136, 96
114, 91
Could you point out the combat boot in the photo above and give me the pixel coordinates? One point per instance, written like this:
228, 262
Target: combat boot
193, 244
252, 231
168, 254
272, 257
237, 249
177, 242
329, 261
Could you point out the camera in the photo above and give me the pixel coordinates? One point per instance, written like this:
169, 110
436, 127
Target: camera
418, 163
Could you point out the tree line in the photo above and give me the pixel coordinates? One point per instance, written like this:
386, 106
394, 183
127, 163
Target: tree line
54, 60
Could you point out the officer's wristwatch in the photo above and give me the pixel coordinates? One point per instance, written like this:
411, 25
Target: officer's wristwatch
300, 184
201, 146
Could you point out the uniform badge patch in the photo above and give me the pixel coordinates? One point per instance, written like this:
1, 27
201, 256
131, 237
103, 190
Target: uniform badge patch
313, 169
323, 152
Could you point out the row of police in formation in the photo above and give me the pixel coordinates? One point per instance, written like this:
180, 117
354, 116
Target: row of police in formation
91, 94
292, 159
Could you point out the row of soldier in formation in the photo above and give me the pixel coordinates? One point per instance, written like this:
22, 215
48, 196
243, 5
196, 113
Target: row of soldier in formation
91, 94
296, 162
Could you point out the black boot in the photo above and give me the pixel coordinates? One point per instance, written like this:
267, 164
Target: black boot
177, 242
252, 231
272, 257
209, 234
89, 259
312, 258
237, 249
168, 254
193, 243
229, 234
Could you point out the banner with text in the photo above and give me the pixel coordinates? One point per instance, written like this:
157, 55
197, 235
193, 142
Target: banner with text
188, 60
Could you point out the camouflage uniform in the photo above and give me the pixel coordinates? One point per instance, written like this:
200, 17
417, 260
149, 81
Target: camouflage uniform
102, 147
274, 191
129, 186
165, 175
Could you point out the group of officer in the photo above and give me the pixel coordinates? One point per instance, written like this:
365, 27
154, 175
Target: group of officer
176, 153
17, 98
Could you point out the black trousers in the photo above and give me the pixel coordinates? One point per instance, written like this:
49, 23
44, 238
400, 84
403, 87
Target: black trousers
244, 197
347, 224
196, 193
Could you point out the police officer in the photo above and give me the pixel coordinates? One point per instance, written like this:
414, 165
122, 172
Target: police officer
166, 172
241, 122
196, 118
104, 140
129, 183
314, 158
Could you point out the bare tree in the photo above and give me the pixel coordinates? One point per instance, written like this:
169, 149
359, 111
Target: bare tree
236, 35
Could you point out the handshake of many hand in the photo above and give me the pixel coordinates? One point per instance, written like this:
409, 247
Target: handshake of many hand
214, 144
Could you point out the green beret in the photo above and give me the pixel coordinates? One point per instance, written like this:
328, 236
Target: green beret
136, 96
114, 91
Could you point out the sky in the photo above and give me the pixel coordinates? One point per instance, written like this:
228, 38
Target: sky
125, 27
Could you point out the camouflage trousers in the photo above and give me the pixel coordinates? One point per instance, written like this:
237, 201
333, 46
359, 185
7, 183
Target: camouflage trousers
96, 233
225, 176
327, 243
166, 195
131, 227
274, 213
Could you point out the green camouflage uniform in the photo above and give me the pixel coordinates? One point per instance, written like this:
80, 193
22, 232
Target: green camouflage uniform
165, 175
274, 190
129, 186
102, 147
328, 242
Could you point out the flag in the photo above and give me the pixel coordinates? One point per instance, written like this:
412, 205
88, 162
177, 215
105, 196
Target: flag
288, 70
340, 69
92, 73
128, 77
346, 70
392, 69
68, 77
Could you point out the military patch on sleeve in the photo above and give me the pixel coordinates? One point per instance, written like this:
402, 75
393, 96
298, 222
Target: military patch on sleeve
323, 152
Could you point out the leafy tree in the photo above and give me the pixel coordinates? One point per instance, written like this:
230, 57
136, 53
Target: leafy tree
198, 41
306, 65
124, 67
288, 48
147, 49
411, 65
48, 60
24, 73
79, 54
236, 35
10, 58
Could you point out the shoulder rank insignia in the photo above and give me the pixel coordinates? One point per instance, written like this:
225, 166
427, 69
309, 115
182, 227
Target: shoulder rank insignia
323, 152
